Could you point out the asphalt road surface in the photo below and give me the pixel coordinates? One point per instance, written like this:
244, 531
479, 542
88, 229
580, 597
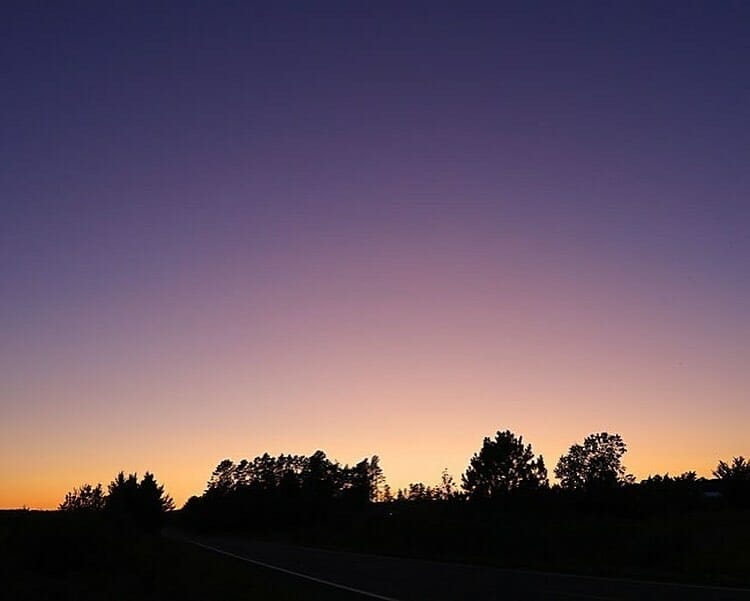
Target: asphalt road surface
400, 579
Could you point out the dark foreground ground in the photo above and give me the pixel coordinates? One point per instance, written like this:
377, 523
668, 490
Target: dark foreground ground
413, 580
640, 538
51, 555
707, 547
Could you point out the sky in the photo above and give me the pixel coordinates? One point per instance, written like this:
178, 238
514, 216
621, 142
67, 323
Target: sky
386, 228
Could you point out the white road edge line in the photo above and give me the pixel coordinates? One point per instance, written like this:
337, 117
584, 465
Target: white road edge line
576, 595
298, 574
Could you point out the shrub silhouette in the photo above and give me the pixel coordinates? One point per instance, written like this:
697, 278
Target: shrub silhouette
86, 498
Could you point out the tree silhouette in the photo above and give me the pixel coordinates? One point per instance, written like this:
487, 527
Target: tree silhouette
735, 480
85, 498
387, 495
447, 488
152, 495
594, 465
503, 465
223, 478
418, 491
122, 497
686, 478
143, 503
738, 470
376, 480
319, 477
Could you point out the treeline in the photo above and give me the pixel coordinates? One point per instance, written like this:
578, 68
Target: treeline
594, 517
269, 492
590, 475
272, 493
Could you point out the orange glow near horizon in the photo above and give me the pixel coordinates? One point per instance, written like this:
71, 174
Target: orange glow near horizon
417, 382
420, 397
44, 489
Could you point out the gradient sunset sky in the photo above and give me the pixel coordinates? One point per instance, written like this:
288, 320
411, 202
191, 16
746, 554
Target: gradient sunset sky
383, 228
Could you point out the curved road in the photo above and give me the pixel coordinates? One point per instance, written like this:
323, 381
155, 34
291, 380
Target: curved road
401, 579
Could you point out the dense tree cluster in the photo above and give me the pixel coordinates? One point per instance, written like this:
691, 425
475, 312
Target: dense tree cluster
591, 474
127, 500
286, 490
314, 476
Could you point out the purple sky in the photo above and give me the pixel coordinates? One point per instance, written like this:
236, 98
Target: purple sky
222, 223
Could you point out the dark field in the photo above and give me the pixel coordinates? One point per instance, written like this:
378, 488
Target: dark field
50, 555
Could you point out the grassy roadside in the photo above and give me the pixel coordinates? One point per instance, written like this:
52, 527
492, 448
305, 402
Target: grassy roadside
50, 555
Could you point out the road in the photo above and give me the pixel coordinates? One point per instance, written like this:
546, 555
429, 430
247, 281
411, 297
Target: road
400, 579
